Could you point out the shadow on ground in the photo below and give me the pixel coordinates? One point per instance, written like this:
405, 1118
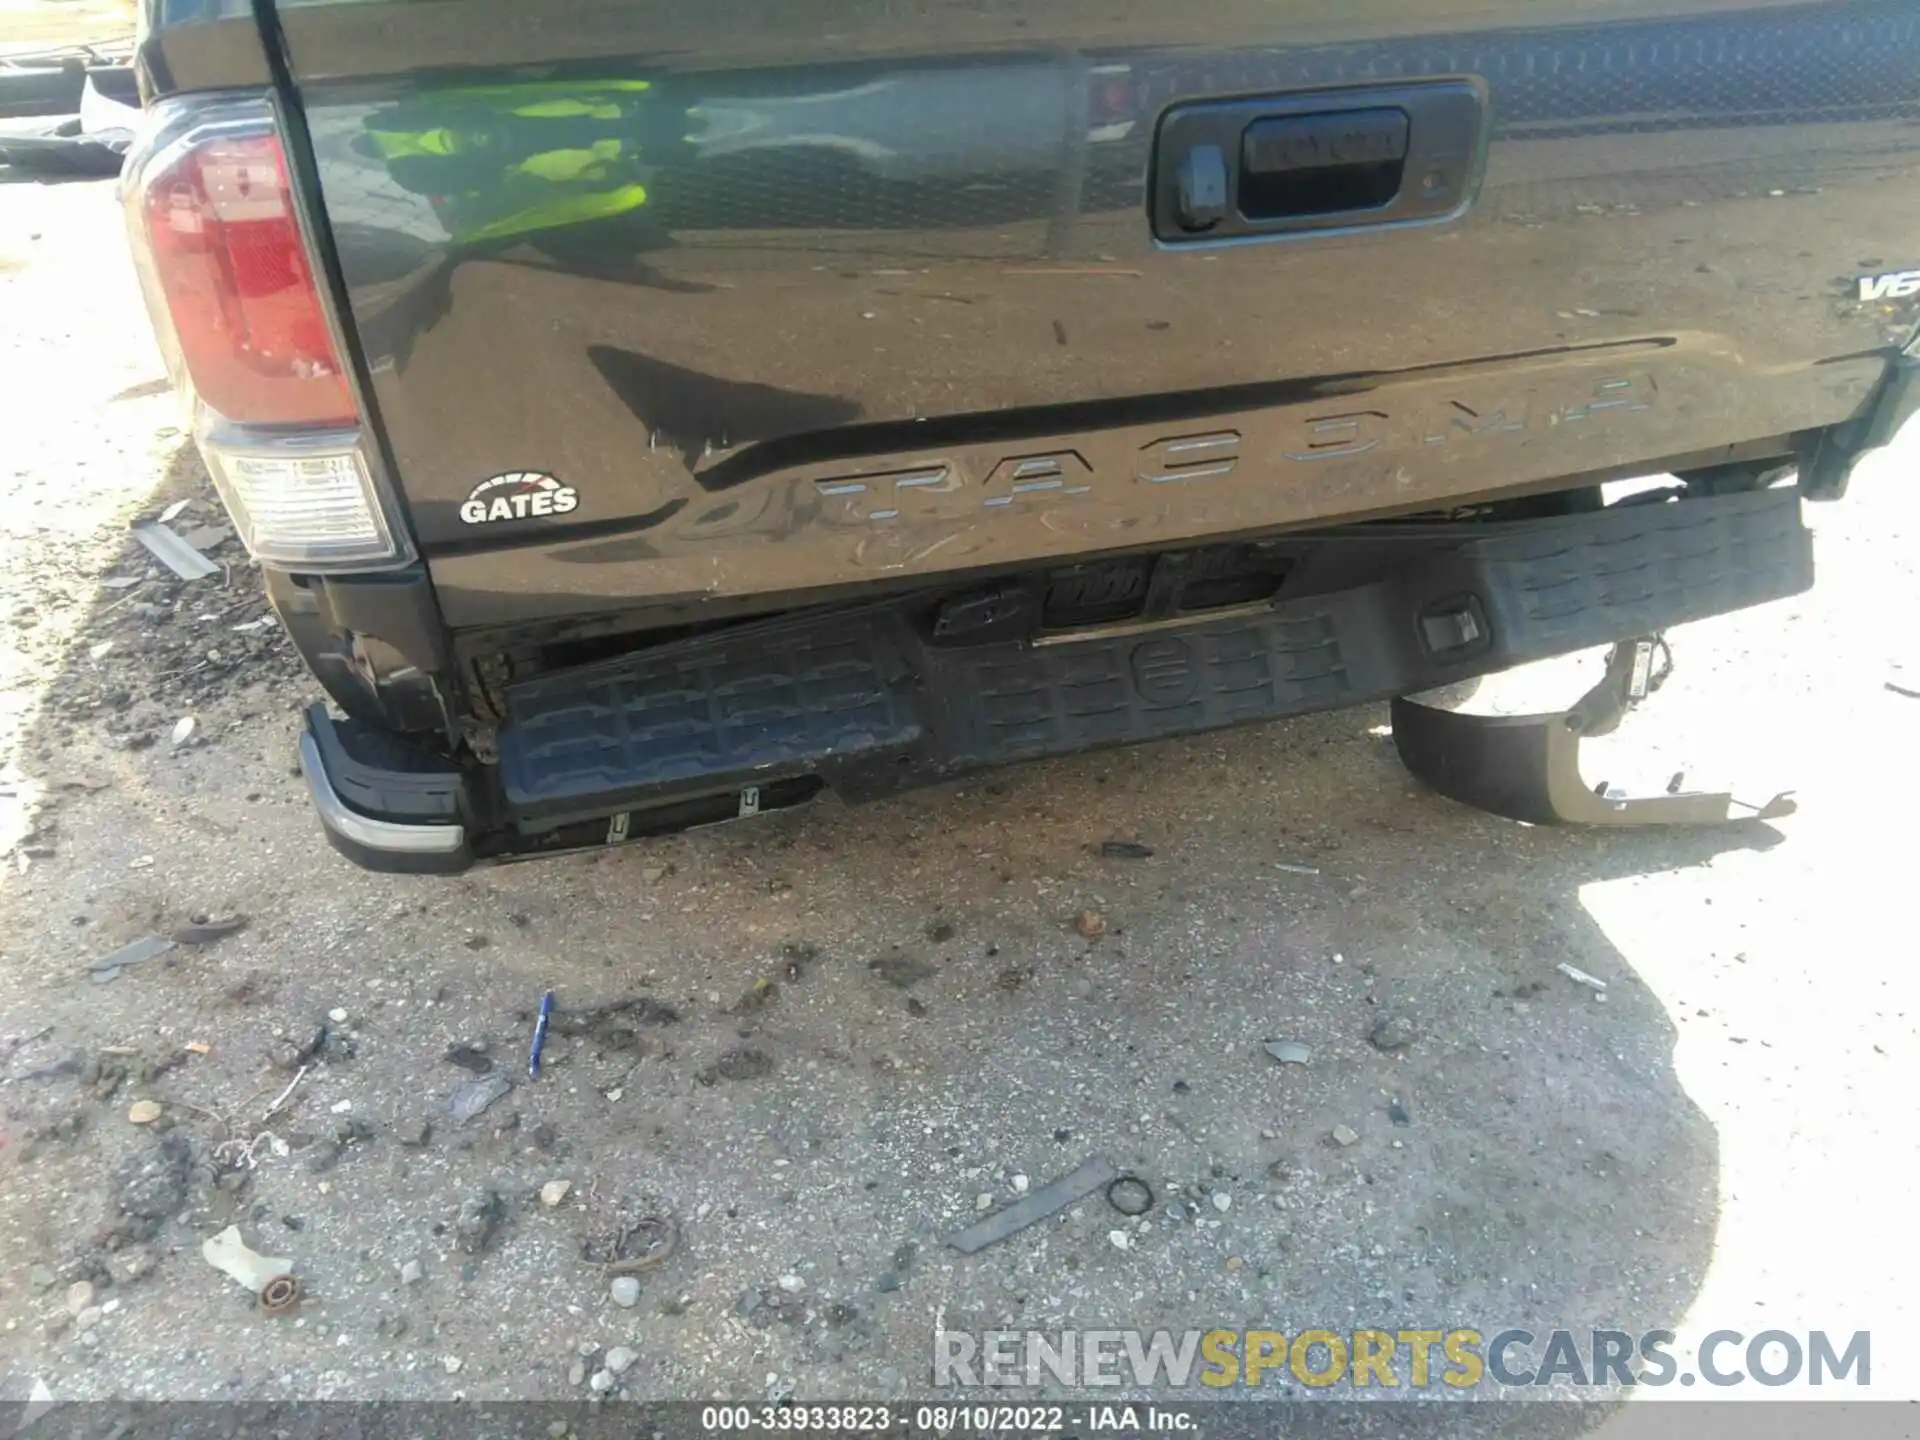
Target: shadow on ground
880, 1015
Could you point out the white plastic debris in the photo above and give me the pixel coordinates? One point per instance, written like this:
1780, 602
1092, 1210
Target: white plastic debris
183, 730
234, 1258
170, 550
1581, 977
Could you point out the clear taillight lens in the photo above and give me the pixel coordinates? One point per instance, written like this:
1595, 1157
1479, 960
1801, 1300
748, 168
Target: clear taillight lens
301, 510
230, 282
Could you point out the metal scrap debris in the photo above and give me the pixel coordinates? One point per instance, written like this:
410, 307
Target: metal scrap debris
476, 1095
1289, 1052
1581, 977
280, 1294
205, 932
643, 1244
137, 952
244, 1154
172, 551
1093, 1173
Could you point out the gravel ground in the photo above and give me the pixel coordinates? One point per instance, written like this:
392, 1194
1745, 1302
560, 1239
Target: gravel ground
815, 1046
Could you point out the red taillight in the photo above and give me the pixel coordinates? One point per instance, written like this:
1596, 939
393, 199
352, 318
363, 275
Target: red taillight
226, 252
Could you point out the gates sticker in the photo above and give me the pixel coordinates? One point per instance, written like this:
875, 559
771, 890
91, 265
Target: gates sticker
517, 495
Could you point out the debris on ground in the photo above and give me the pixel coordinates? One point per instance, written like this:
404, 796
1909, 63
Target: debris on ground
286, 1094
799, 956
476, 1095
1125, 850
755, 998
295, 1055
1345, 1135
182, 731
280, 1295
1130, 1195
1090, 923
1296, 869
643, 1239
611, 1024
480, 1215
554, 1193
228, 1253
150, 1189
1092, 1174
143, 1112
1397, 1113
1392, 1031
209, 929
170, 548
469, 1058
1289, 1052
245, 1154
1581, 977
136, 952
902, 971
741, 1063
624, 1291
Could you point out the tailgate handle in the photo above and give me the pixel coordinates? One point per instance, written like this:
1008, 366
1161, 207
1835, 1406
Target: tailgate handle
1322, 164
1252, 168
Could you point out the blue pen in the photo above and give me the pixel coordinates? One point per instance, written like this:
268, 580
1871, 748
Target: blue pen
540, 1035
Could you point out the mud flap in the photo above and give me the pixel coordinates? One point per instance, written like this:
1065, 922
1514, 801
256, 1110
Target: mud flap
1527, 767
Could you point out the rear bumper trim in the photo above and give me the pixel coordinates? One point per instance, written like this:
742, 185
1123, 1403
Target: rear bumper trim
379, 844
866, 702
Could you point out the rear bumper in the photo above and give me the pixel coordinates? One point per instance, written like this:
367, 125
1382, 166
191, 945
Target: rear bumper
870, 700
392, 809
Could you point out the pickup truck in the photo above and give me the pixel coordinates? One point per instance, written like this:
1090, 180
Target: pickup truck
649, 414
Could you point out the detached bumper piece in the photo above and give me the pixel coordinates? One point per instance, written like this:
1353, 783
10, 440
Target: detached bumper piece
1527, 767
872, 700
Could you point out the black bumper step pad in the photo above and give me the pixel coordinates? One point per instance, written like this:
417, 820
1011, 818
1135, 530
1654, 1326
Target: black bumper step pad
862, 699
